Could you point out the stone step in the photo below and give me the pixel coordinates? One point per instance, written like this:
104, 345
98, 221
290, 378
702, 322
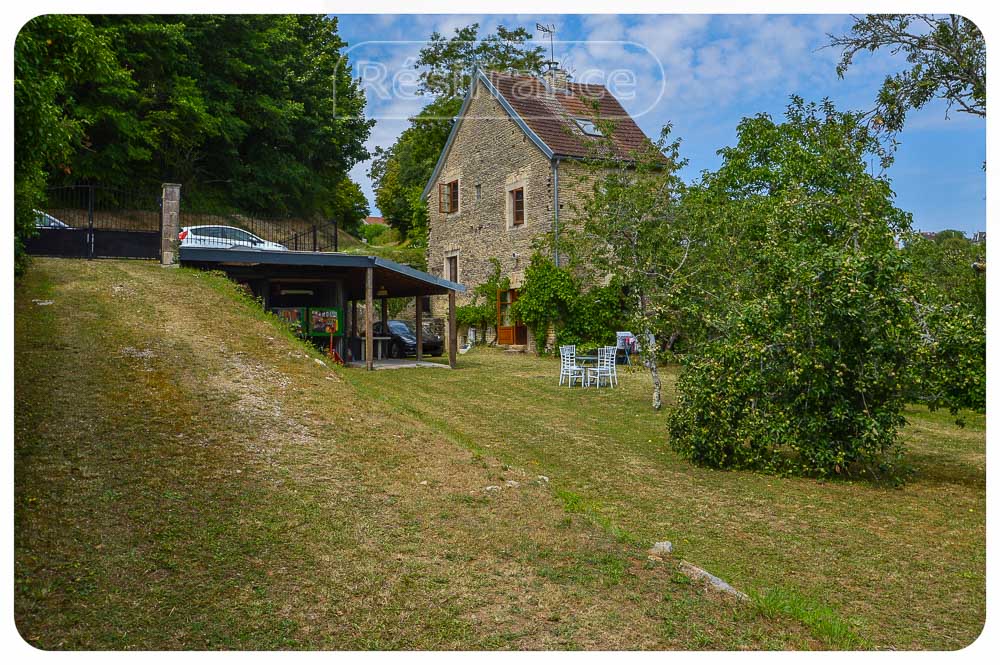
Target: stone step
515, 348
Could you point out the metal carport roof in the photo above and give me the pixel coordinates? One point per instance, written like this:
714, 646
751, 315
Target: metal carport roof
398, 279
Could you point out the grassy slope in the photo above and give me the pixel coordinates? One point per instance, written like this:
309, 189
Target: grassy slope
186, 476
901, 568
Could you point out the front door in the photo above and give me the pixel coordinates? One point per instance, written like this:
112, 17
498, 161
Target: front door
509, 330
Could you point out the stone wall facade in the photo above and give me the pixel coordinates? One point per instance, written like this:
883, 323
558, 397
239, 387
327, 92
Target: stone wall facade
490, 156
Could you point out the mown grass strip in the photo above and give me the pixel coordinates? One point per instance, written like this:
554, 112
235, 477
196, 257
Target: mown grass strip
823, 622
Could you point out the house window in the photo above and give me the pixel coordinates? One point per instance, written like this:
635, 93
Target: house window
448, 197
587, 127
451, 268
517, 206
479, 193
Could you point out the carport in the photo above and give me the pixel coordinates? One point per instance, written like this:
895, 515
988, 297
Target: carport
344, 280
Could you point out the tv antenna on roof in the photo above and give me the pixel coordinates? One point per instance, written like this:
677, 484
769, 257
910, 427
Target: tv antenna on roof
549, 30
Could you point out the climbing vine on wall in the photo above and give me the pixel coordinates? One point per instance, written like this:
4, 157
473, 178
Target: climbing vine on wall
481, 311
555, 296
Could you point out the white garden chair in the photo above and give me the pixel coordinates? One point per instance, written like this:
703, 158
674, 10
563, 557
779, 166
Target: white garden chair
613, 364
568, 369
605, 367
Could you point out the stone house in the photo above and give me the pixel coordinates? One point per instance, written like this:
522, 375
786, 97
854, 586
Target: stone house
511, 171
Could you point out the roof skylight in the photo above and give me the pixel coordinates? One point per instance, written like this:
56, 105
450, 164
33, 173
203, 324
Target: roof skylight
587, 127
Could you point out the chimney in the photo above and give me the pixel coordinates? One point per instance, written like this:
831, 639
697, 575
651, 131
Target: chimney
555, 79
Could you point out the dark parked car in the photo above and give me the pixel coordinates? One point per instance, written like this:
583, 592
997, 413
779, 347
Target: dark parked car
404, 340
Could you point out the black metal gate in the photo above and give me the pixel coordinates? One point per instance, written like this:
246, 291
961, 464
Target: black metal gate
89, 221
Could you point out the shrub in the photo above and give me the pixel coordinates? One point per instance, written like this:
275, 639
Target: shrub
554, 296
415, 257
813, 333
809, 379
593, 318
373, 233
481, 312
950, 363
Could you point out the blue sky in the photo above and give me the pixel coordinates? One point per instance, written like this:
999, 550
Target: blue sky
703, 73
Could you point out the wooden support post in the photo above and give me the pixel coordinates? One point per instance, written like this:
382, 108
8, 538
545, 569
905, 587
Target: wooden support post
420, 328
452, 331
348, 327
385, 326
369, 312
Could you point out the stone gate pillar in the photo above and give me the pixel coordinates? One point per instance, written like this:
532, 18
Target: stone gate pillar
170, 222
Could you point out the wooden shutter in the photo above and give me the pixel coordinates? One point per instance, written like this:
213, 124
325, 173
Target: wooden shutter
441, 207
453, 204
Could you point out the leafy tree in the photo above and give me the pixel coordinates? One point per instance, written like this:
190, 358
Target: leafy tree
947, 57
401, 171
251, 112
349, 206
154, 129
633, 230
813, 328
53, 55
449, 63
950, 267
949, 292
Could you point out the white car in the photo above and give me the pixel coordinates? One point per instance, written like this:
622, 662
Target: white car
44, 220
225, 237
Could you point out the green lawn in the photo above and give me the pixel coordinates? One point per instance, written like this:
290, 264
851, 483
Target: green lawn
904, 567
187, 476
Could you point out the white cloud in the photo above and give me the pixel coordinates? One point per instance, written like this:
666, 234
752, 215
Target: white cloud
712, 70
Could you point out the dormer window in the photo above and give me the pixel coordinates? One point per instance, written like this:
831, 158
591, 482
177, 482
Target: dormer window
587, 127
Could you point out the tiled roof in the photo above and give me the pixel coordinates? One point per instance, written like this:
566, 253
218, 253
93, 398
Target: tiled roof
551, 114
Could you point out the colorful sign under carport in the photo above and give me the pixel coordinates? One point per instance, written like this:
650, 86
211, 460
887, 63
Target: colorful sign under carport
326, 320
313, 321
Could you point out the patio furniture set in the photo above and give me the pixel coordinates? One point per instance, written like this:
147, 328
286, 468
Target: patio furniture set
595, 369
573, 366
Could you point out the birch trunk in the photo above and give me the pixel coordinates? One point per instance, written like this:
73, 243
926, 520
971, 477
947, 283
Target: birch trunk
649, 351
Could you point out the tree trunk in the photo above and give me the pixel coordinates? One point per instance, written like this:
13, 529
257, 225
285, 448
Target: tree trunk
649, 351
650, 360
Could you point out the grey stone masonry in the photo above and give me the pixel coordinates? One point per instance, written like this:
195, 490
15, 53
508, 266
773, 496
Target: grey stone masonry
170, 223
489, 157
